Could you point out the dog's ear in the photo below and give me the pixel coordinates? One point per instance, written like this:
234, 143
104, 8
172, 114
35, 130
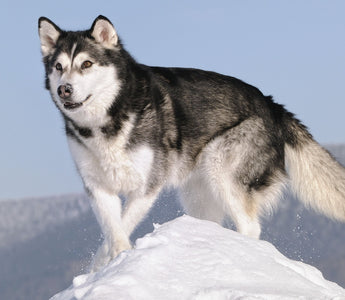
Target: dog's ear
49, 34
104, 32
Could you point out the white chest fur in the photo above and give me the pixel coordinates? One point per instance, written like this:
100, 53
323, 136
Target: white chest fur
108, 164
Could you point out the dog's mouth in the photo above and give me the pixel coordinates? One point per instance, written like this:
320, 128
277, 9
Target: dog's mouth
73, 105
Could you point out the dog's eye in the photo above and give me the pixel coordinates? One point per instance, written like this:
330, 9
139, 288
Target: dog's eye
58, 67
86, 64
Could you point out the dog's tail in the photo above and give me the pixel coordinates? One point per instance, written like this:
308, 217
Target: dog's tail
316, 177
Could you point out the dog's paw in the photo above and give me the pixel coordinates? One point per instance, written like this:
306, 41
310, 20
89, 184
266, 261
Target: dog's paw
105, 254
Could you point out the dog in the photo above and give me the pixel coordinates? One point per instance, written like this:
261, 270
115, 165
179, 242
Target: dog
133, 129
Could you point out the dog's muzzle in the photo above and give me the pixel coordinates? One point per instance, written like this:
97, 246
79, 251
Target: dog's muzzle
65, 91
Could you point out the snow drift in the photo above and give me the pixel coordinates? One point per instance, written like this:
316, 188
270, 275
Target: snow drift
193, 259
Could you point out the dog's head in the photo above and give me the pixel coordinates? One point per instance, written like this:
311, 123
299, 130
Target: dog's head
81, 73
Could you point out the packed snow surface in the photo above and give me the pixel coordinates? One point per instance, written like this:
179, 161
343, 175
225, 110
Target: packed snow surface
193, 259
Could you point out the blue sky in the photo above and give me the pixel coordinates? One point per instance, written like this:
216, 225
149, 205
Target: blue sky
292, 49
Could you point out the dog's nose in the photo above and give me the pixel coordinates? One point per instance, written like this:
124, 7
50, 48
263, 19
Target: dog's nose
65, 91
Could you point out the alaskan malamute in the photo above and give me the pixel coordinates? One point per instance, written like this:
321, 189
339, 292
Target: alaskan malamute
133, 129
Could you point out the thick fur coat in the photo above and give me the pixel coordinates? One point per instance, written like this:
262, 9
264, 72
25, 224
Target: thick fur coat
134, 129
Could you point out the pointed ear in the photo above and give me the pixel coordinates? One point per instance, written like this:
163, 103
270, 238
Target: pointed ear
49, 34
104, 32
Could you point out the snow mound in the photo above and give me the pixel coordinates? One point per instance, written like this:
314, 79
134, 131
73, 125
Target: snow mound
189, 258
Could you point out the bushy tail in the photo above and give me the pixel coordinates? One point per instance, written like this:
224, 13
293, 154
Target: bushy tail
316, 177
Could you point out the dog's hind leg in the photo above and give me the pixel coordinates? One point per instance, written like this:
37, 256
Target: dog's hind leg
246, 206
198, 200
238, 205
245, 169
211, 196
235, 202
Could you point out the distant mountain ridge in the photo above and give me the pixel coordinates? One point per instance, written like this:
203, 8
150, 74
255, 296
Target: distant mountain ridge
22, 220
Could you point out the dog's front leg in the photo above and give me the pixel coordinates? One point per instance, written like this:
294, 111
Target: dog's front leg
107, 209
135, 210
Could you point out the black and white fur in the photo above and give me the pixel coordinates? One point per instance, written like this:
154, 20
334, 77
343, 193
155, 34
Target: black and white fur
133, 129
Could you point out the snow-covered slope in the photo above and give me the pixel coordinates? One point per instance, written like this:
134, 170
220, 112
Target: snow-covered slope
192, 259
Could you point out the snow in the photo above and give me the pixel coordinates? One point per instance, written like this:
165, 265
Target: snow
189, 258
